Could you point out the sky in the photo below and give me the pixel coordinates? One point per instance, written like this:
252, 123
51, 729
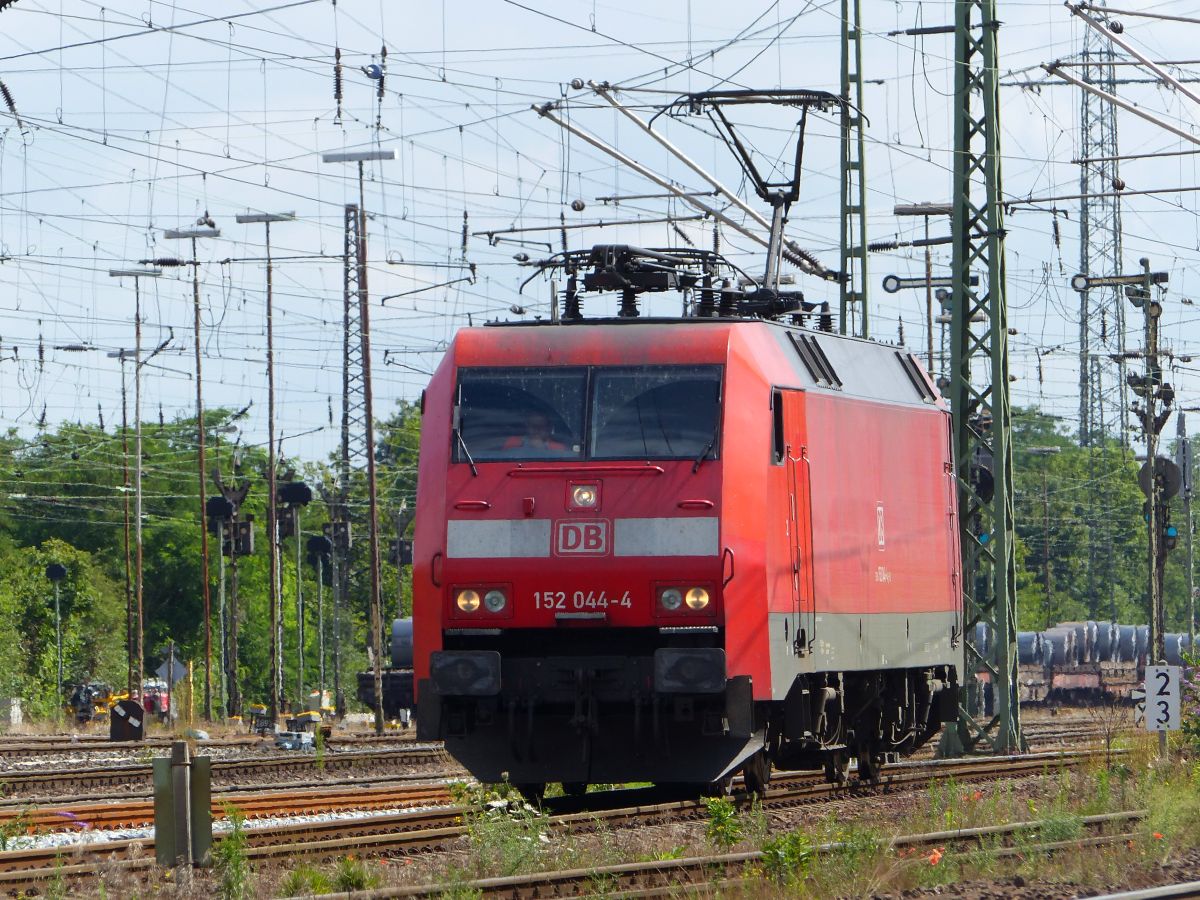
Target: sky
136, 117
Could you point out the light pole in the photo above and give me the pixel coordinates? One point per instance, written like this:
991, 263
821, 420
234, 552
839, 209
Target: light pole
225, 512
925, 210
296, 495
55, 573
1045, 451
209, 230
319, 549
266, 219
137, 275
360, 157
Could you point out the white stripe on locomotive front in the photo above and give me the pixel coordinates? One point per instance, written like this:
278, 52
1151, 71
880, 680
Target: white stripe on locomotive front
530, 538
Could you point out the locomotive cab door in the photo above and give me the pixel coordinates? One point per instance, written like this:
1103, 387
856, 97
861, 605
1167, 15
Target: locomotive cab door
799, 470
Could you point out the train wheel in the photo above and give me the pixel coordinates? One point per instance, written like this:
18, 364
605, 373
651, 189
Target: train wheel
720, 788
837, 767
870, 767
533, 792
757, 774
574, 788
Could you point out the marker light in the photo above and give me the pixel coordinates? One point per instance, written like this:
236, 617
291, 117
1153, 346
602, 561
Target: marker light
697, 598
671, 599
584, 495
494, 600
468, 600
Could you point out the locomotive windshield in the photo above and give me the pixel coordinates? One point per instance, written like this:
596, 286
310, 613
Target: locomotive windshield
645, 412
521, 413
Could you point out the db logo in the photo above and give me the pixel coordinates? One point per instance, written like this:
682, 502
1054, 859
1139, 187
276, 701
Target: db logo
582, 538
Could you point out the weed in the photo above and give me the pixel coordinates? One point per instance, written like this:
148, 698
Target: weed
507, 836
57, 888
306, 879
724, 828
1060, 826
603, 884
229, 858
319, 747
1174, 804
352, 874
14, 828
460, 892
676, 852
758, 826
786, 858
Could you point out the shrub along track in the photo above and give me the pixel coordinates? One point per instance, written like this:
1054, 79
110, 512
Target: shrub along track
728, 871
408, 832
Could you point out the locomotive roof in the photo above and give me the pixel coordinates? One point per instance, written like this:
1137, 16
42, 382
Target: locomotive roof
788, 355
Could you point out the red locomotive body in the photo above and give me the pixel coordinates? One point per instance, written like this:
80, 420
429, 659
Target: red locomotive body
664, 550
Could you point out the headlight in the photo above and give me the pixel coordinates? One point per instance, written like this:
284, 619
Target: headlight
494, 600
584, 495
468, 600
671, 599
697, 598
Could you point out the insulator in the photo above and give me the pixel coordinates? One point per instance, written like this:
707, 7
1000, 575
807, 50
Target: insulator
337, 79
880, 246
682, 234
11, 104
464, 234
1057, 235
716, 240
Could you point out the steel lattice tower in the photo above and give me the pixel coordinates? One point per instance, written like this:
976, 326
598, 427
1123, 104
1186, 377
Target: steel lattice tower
853, 288
354, 448
1101, 311
979, 395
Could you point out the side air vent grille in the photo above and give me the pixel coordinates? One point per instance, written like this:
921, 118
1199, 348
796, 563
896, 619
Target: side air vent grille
913, 370
820, 369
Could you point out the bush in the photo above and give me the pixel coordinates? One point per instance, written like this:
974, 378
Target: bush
230, 858
787, 857
352, 874
724, 828
1189, 707
306, 880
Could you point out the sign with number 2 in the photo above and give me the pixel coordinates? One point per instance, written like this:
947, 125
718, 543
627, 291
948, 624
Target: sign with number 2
1162, 698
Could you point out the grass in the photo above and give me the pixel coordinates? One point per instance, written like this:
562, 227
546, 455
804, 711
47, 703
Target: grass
506, 836
306, 879
229, 858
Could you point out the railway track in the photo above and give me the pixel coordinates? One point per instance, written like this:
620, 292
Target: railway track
25, 745
140, 776
11, 807
727, 870
290, 802
408, 832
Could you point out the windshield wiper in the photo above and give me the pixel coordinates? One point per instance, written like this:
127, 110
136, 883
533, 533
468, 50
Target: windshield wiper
712, 442
467, 453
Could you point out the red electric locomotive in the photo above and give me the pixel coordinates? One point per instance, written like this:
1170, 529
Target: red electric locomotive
669, 549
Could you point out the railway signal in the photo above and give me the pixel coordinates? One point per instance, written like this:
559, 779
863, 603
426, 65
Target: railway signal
55, 573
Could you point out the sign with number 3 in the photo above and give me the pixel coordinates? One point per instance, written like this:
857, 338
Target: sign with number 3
1162, 698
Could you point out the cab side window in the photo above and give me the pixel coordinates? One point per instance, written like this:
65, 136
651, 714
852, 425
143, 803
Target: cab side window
778, 442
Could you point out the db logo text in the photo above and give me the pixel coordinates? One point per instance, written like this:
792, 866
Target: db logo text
579, 538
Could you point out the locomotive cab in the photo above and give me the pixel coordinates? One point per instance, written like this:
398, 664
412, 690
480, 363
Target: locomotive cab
646, 551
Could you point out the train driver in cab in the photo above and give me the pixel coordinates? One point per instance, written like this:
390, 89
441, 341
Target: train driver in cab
537, 439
